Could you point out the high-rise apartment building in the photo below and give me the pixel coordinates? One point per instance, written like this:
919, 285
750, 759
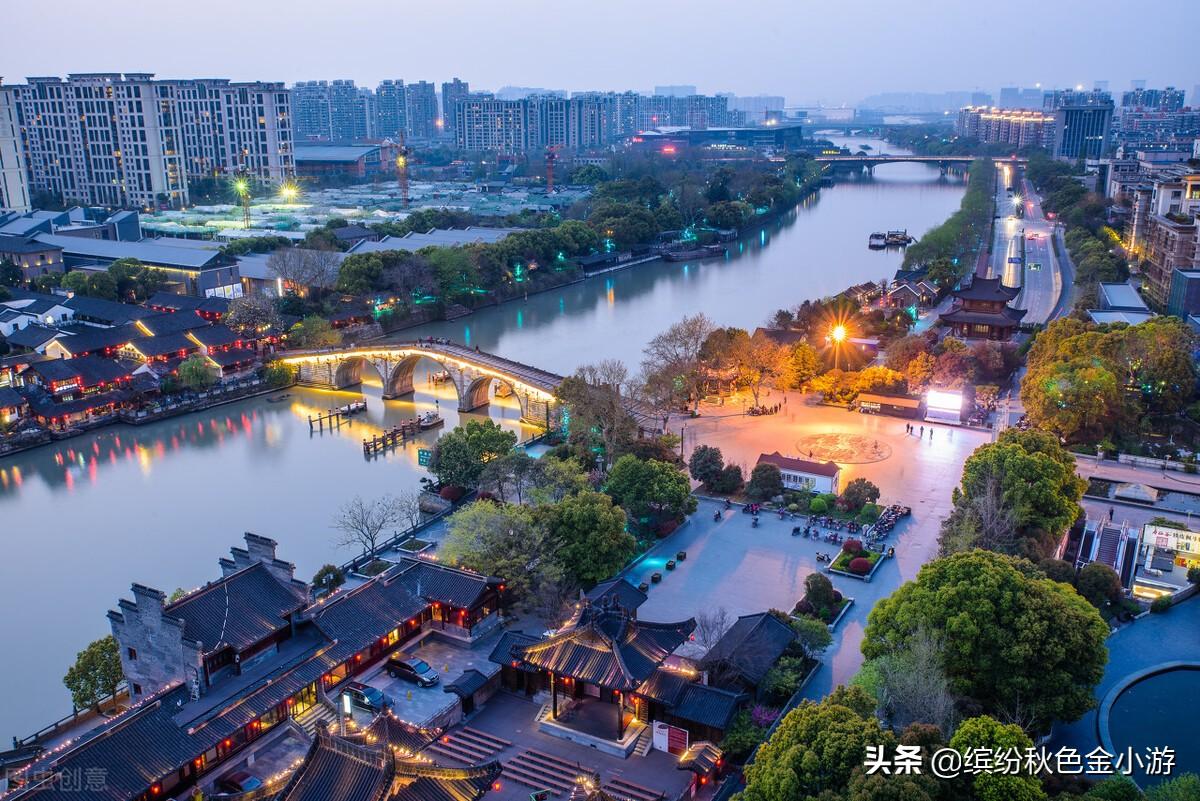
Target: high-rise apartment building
332, 111
452, 92
14, 183
488, 124
129, 140
1017, 127
104, 139
234, 127
389, 110
421, 110
1169, 99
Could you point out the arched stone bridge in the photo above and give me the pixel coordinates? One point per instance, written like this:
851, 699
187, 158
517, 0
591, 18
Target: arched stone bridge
471, 371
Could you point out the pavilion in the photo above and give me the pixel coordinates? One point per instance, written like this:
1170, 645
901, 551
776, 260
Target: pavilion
981, 310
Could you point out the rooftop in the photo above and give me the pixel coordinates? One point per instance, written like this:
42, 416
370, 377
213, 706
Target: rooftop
992, 289
149, 252
1122, 296
801, 465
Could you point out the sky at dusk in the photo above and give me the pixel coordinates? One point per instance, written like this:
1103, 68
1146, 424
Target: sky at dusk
830, 52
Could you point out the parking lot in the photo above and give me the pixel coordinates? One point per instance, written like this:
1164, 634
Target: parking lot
420, 705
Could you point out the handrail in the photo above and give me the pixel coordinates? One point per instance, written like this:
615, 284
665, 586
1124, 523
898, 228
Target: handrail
33, 739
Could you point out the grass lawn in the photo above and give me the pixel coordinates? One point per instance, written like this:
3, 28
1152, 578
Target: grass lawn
413, 545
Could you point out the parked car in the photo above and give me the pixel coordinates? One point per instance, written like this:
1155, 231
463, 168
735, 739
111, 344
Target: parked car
412, 669
240, 781
365, 696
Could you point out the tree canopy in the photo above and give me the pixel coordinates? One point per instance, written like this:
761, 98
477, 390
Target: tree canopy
459, 456
651, 492
1019, 645
95, 674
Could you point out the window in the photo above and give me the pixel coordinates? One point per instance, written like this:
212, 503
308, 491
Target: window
137, 688
132, 652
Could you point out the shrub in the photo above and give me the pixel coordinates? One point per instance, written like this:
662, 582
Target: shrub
828, 497
860, 492
859, 566
818, 506
852, 547
869, 513
1194, 575
729, 480
837, 597
803, 607
452, 493
765, 482
1161, 605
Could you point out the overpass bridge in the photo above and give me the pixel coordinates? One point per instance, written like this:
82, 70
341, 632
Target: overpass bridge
868, 163
471, 372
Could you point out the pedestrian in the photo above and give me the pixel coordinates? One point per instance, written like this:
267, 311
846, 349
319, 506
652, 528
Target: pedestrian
785, 400
1111, 510
931, 433
922, 432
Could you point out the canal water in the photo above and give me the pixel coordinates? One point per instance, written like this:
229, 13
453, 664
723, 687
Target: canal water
159, 504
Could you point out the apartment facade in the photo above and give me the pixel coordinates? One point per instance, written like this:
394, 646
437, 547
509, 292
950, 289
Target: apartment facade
128, 140
452, 92
1017, 127
1171, 232
421, 110
14, 183
390, 121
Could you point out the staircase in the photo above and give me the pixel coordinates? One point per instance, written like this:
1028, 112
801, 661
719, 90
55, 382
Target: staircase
1110, 541
468, 746
317, 715
645, 742
628, 791
540, 771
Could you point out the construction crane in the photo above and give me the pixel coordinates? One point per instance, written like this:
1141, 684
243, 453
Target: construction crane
551, 157
402, 172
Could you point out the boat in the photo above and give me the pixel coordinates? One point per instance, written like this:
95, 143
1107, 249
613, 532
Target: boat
706, 252
898, 238
279, 398
877, 240
352, 408
428, 420
440, 376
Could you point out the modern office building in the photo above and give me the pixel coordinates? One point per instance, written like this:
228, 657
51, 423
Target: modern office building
421, 110
14, 181
452, 92
1082, 122
390, 110
1018, 127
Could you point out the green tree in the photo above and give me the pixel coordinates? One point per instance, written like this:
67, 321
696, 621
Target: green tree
1099, 584
987, 734
459, 456
195, 373
812, 635
1016, 643
1034, 476
10, 274
588, 537
1184, 787
252, 314
806, 363
314, 332
705, 465
819, 592
497, 539
76, 282
360, 273
95, 674
858, 493
766, 481
816, 749
1114, 788
102, 285
651, 492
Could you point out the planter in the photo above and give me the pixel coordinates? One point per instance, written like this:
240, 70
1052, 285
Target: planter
843, 559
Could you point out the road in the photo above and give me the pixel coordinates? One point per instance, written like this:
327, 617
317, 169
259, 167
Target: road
1022, 254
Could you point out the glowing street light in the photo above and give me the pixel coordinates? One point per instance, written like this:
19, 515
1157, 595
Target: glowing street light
241, 186
838, 335
289, 192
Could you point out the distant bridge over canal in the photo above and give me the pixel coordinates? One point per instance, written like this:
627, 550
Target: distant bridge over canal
859, 163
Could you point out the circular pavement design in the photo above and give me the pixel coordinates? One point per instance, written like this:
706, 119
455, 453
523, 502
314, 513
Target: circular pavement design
843, 448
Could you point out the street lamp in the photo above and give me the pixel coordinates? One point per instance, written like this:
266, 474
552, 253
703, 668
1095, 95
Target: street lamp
838, 335
289, 192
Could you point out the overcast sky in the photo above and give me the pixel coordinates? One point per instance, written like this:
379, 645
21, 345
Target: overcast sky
808, 51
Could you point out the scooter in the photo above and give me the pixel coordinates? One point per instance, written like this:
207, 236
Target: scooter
728, 504
754, 522
795, 531
822, 557
716, 517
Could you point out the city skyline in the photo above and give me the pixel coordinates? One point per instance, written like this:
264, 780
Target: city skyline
787, 59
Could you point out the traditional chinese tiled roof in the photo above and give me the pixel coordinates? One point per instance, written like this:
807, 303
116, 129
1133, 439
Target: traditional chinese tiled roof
708, 705
1007, 316
238, 610
752, 645
434, 783
992, 289
619, 591
701, 757
505, 652
336, 770
214, 336
231, 357
608, 648
171, 323
163, 345
470, 682
448, 585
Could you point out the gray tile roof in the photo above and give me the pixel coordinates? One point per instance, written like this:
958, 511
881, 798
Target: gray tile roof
752, 645
147, 252
238, 610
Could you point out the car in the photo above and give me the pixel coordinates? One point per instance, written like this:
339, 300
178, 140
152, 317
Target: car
240, 781
412, 669
1037, 265
364, 696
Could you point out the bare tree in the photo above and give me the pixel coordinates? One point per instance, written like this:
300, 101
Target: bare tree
288, 264
596, 398
252, 313
677, 352
983, 520
361, 522
305, 269
408, 508
913, 685
322, 267
710, 625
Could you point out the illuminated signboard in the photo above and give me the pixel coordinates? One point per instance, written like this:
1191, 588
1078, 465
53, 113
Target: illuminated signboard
1171, 539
